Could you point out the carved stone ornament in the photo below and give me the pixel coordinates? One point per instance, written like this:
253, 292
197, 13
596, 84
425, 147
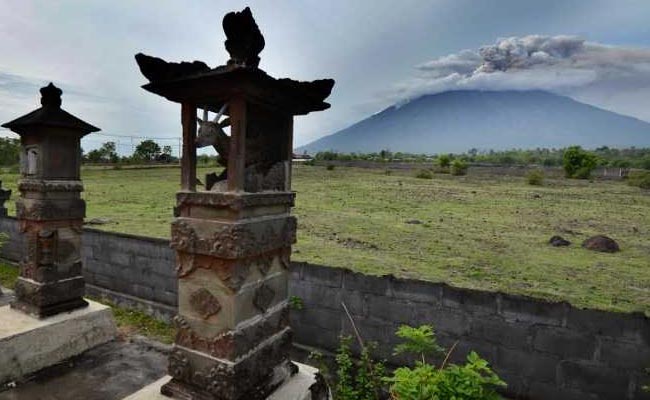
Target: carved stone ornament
203, 302
179, 366
235, 240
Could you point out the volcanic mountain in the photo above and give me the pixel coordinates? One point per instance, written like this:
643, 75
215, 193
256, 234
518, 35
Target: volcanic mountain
457, 121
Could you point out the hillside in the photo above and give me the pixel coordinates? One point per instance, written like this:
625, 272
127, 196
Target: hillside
459, 120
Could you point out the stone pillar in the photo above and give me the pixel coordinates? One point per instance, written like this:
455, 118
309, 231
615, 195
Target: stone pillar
233, 242
50, 210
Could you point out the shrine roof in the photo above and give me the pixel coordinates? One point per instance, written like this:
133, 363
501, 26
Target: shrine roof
50, 115
212, 87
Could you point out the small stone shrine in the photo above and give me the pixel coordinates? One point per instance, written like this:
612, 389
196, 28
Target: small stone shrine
50, 213
50, 209
233, 239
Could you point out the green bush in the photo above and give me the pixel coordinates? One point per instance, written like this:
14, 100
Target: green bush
424, 174
444, 161
330, 167
639, 179
459, 167
472, 381
578, 163
357, 380
535, 177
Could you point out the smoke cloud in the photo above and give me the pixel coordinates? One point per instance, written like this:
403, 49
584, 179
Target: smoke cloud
562, 64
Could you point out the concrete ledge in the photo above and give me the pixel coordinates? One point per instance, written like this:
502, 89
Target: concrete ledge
296, 388
28, 344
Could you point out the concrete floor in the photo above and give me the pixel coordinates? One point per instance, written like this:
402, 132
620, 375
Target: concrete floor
109, 372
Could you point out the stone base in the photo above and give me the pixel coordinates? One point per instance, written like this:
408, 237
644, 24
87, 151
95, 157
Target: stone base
29, 344
306, 384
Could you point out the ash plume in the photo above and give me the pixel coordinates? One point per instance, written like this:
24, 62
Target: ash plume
562, 64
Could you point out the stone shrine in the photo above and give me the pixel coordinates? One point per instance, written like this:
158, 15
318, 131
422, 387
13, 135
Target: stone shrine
49, 321
50, 209
233, 241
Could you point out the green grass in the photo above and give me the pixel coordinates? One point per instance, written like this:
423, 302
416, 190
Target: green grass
8, 275
130, 321
477, 231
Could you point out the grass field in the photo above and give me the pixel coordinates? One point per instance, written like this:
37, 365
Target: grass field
478, 231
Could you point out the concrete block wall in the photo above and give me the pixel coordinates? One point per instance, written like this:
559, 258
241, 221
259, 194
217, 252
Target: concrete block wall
543, 350
131, 270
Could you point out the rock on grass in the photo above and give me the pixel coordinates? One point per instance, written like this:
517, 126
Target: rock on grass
601, 243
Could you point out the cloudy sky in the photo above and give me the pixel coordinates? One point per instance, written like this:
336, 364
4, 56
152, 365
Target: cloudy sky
379, 52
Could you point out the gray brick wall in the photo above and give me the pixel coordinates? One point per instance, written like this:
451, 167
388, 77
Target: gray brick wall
544, 350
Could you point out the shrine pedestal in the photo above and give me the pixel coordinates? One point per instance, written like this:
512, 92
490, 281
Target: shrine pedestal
29, 344
306, 384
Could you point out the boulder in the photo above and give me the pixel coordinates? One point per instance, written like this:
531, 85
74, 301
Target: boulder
601, 243
559, 241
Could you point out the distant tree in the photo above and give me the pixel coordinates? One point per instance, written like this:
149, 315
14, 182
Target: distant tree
147, 150
578, 163
444, 160
9, 151
167, 150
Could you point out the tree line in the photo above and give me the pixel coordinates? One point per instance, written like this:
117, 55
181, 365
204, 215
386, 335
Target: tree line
602, 157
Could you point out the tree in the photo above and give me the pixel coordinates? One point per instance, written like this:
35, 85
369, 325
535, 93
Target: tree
578, 163
106, 153
9, 151
147, 150
444, 160
167, 150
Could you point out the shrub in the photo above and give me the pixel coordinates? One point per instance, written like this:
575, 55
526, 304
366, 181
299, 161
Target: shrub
330, 167
578, 163
459, 167
535, 177
472, 381
357, 380
424, 174
444, 161
639, 179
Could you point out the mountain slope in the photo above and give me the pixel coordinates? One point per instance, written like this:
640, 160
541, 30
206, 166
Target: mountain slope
459, 120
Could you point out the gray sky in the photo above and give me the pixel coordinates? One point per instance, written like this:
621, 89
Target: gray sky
379, 52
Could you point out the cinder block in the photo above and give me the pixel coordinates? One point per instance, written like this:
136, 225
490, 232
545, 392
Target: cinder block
465, 345
541, 367
379, 285
551, 391
444, 320
499, 331
633, 327
389, 309
317, 296
315, 336
595, 378
624, 355
143, 292
524, 309
318, 317
421, 291
564, 343
355, 302
120, 258
324, 276
471, 301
